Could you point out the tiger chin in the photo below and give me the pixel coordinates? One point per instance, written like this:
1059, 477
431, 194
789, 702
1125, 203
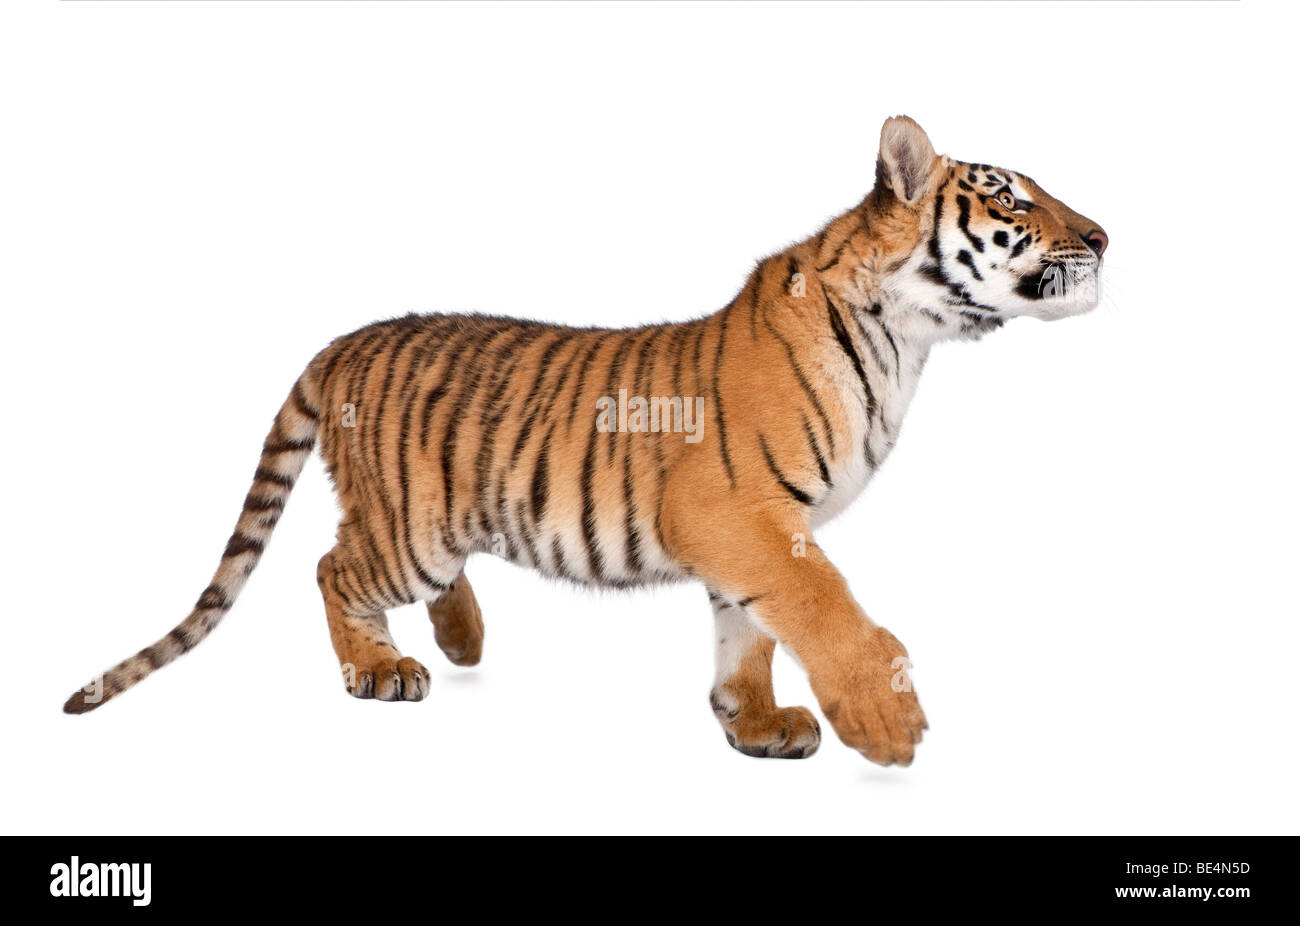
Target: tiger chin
449, 435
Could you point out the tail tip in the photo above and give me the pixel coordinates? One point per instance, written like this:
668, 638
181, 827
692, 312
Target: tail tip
77, 704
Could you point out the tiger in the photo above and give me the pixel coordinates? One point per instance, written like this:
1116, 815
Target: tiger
447, 435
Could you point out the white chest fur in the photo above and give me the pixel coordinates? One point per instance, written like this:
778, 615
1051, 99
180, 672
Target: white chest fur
893, 385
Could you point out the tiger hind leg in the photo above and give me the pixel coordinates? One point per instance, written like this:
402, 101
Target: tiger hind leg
458, 623
371, 663
742, 696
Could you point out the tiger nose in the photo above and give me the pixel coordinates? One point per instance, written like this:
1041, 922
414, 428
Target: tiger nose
1096, 239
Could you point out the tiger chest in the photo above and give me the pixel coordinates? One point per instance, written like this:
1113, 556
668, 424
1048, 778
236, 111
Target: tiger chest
871, 437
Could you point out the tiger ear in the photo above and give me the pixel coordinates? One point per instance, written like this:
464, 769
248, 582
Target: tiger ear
906, 159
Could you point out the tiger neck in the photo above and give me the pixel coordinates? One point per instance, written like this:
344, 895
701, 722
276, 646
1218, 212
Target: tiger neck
855, 348
884, 299
865, 320
893, 351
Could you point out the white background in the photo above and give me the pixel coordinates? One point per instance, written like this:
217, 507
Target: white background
1086, 537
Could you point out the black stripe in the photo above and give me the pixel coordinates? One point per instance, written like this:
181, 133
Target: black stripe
575, 410
718, 410
431, 398
265, 475
845, 244
300, 403
642, 384
647, 388
807, 388
676, 349
502, 516
870, 342
213, 599
541, 477
964, 257
560, 565
933, 244
284, 446
632, 537
632, 540
846, 344
254, 503
357, 596
535, 393
888, 337
526, 534
361, 376
396, 592
799, 494
371, 588
338, 351
822, 468
755, 296
595, 559
242, 543
835, 259
696, 351
182, 638
963, 222
625, 343
551, 396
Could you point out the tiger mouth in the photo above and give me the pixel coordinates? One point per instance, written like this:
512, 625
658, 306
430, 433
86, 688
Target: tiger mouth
1059, 279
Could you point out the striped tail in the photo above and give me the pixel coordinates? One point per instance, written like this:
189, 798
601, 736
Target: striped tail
286, 450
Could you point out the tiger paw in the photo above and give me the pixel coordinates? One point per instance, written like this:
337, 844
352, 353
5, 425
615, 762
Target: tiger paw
458, 624
871, 703
783, 733
402, 679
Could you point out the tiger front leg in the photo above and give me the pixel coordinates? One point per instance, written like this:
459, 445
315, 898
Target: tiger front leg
742, 697
858, 670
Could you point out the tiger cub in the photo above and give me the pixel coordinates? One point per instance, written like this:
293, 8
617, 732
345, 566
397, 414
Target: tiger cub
706, 450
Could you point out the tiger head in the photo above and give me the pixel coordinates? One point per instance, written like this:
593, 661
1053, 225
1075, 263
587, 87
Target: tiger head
985, 243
